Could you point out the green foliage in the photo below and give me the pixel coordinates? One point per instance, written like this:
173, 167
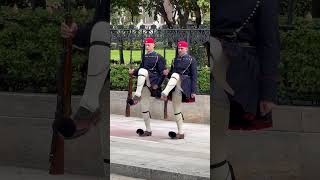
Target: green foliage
200, 54
131, 8
300, 7
30, 48
300, 63
119, 78
134, 45
204, 5
204, 80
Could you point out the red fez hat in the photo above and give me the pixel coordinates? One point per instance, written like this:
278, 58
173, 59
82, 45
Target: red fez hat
182, 44
148, 40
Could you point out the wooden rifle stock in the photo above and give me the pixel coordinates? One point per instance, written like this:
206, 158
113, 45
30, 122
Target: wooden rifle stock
130, 86
129, 92
165, 106
63, 107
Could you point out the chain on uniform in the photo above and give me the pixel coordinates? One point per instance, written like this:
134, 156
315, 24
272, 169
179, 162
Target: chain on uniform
254, 11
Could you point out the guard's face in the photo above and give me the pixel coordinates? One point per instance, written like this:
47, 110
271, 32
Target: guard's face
182, 51
149, 46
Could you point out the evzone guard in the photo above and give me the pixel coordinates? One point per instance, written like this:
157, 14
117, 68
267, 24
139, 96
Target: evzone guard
150, 75
182, 85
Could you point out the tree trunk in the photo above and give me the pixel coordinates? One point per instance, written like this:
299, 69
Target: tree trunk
198, 15
315, 8
168, 8
183, 18
165, 10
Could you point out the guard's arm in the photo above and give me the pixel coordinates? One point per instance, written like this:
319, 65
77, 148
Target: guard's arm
268, 46
194, 76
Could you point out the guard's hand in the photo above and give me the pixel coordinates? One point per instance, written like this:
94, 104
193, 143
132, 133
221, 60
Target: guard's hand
68, 32
131, 71
155, 87
193, 95
166, 72
266, 107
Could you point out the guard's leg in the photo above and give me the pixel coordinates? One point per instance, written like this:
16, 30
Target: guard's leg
175, 77
219, 121
219, 118
145, 107
178, 116
143, 75
103, 13
98, 66
103, 128
176, 103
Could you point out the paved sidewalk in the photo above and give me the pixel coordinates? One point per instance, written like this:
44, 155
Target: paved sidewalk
158, 156
119, 177
18, 173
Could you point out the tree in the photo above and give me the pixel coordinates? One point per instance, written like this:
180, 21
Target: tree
181, 10
172, 11
132, 6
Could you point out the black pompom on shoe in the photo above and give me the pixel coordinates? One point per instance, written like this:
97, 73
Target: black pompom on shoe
130, 101
143, 133
172, 134
140, 132
66, 127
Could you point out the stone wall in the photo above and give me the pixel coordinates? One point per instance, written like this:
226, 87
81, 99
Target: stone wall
198, 112
290, 150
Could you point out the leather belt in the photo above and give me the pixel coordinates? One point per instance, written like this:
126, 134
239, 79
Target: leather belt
230, 38
246, 45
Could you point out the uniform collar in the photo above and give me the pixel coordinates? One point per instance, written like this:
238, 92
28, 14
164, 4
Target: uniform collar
152, 52
183, 55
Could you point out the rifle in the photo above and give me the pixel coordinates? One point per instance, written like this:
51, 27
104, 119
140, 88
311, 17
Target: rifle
130, 87
62, 124
165, 107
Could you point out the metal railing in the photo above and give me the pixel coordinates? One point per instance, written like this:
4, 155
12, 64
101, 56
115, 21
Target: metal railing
168, 38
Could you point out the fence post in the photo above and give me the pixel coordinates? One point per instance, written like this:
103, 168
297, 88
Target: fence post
120, 28
290, 12
142, 27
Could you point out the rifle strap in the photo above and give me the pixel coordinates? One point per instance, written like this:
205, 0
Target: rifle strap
190, 61
155, 64
100, 43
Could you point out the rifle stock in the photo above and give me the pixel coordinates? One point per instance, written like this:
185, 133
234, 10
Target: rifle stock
165, 106
130, 86
63, 107
129, 92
